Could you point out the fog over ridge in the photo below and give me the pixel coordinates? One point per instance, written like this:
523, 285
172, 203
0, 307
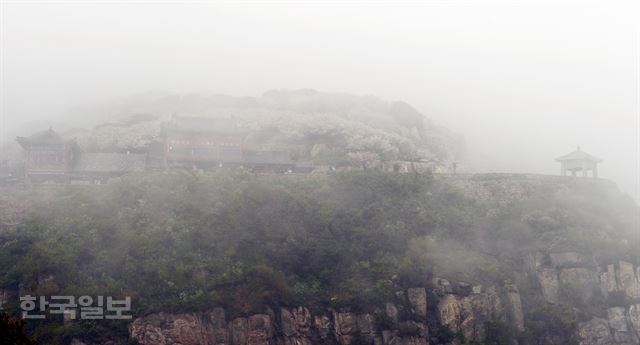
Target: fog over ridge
524, 82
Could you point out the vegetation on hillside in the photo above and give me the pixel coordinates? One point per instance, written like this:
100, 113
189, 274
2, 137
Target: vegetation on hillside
187, 242
328, 128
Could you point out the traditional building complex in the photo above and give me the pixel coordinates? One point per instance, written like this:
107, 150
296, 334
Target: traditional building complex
187, 142
192, 143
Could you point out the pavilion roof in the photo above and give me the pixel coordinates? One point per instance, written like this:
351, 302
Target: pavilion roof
48, 137
578, 155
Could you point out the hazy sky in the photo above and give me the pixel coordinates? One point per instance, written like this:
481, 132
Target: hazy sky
524, 82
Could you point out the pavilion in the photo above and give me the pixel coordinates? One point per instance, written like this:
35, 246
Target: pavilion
579, 160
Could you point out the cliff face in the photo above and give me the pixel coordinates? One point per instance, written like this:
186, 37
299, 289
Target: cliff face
441, 313
570, 275
417, 316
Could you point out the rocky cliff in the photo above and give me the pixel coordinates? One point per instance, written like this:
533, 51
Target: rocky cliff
441, 313
615, 288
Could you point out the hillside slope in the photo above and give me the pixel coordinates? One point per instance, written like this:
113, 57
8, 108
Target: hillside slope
350, 258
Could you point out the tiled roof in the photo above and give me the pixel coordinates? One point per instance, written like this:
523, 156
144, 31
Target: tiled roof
45, 137
578, 155
110, 162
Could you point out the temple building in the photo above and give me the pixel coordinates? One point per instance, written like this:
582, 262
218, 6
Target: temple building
579, 160
202, 142
48, 157
187, 142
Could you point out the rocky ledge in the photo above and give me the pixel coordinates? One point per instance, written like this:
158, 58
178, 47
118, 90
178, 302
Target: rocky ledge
617, 284
417, 316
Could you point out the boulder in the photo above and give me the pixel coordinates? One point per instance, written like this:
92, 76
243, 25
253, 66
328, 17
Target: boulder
516, 316
608, 282
346, 326
418, 300
239, 331
303, 319
366, 324
346, 323
390, 337
535, 261
619, 327
594, 332
392, 311
628, 282
296, 322
169, 329
287, 323
449, 311
581, 281
216, 330
548, 280
494, 305
468, 315
476, 311
634, 319
323, 325
471, 323
260, 330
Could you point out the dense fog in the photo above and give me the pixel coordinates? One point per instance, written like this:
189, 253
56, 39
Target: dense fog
301, 173
523, 82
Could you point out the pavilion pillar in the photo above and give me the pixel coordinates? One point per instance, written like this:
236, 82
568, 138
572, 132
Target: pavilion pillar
563, 169
595, 171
